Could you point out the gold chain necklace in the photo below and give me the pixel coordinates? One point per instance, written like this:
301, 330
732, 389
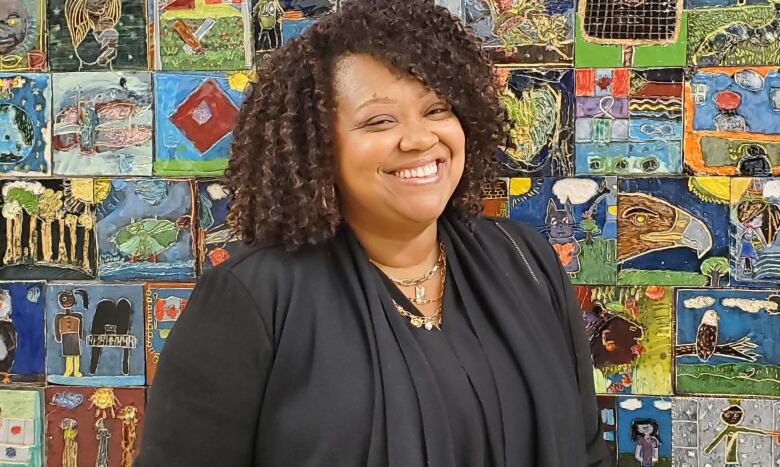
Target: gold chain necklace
419, 288
418, 321
428, 322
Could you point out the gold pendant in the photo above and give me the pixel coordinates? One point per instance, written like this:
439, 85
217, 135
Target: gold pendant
419, 294
416, 322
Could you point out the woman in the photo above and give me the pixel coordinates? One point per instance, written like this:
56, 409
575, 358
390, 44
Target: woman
377, 319
644, 432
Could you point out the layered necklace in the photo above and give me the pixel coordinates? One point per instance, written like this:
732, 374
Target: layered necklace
418, 321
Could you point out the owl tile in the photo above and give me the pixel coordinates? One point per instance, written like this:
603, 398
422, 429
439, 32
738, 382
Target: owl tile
725, 342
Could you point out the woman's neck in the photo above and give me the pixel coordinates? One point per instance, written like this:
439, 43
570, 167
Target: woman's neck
399, 250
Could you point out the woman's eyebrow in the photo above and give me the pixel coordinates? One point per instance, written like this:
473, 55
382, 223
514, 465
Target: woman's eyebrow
376, 100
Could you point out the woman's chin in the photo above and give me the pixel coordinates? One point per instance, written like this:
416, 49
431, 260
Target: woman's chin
422, 213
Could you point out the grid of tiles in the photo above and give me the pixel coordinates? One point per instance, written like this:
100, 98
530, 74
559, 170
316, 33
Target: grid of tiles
644, 148
647, 158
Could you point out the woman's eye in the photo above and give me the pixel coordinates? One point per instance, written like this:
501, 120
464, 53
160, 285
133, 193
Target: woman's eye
440, 110
378, 122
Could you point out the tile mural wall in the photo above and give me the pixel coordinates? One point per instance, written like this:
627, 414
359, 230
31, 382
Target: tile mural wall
646, 138
651, 175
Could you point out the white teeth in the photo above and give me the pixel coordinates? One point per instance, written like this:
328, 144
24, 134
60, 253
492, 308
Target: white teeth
418, 172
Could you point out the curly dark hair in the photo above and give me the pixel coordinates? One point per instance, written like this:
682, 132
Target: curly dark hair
281, 173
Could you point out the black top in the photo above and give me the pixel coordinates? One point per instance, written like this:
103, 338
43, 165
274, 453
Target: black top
467, 385
301, 359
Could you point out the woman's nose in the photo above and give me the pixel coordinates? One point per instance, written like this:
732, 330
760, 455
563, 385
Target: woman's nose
417, 137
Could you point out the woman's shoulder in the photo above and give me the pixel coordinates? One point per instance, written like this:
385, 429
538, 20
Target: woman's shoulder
252, 260
263, 272
518, 239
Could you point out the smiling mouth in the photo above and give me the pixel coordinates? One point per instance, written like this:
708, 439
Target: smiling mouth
428, 171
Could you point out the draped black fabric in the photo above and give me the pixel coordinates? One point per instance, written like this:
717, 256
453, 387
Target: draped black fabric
301, 359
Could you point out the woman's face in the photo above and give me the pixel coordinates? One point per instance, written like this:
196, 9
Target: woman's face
400, 150
645, 428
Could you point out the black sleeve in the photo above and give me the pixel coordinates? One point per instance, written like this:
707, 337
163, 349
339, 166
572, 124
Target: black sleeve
205, 399
598, 454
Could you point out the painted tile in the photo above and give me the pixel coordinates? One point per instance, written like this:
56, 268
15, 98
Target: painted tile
578, 218
25, 123
608, 416
105, 36
710, 431
22, 344
628, 121
755, 218
540, 105
21, 434
164, 304
612, 34
733, 32
194, 118
673, 231
215, 242
145, 230
299, 16
535, 32
95, 334
102, 123
726, 342
495, 198
638, 430
24, 35
267, 23
49, 229
93, 426
202, 35
629, 333
732, 121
